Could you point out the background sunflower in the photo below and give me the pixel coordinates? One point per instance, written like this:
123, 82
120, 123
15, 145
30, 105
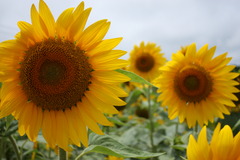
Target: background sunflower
145, 60
195, 87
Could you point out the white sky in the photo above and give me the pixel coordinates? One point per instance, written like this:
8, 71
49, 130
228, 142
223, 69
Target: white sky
168, 23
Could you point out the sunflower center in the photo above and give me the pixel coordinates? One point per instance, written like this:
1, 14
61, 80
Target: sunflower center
145, 62
193, 83
55, 74
52, 72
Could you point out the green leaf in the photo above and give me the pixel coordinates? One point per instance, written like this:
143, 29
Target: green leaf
11, 130
237, 124
105, 144
181, 147
10, 121
183, 158
115, 120
134, 77
133, 97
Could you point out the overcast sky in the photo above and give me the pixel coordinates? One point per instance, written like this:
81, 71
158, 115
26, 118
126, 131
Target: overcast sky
168, 23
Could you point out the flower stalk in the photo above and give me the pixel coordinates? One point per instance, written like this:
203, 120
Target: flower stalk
62, 154
15, 147
150, 112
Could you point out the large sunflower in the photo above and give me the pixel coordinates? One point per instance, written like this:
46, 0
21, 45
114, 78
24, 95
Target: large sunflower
59, 77
145, 60
196, 87
223, 146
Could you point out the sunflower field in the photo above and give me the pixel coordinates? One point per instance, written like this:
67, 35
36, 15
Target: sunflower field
67, 94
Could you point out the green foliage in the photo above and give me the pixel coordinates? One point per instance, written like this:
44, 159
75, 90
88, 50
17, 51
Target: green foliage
105, 144
134, 77
8, 126
133, 96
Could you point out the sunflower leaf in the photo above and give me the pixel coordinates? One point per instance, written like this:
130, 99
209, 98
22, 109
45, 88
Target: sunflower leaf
116, 121
105, 144
133, 97
134, 77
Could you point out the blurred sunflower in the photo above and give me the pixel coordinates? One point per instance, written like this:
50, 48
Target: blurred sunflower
237, 103
59, 77
195, 87
113, 158
145, 60
223, 145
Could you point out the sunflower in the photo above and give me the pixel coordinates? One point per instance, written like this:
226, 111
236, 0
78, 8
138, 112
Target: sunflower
223, 146
237, 103
195, 87
113, 158
145, 60
60, 77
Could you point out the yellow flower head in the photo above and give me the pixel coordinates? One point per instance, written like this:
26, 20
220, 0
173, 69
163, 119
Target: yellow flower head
196, 87
59, 77
113, 158
237, 103
145, 60
223, 145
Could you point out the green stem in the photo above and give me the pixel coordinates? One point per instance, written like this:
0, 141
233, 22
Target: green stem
176, 132
1, 147
62, 154
49, 153
15, 147
195, 131
196, 128
150, 112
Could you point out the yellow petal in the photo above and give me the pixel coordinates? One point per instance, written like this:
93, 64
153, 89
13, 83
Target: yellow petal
217, 61
48, 127
27, 32
63, 22
110, 76
107, 56
79, 9
224, 144
34, 125
191, 51
39, 27
215, 135
61, 130
105, 45
81, 128
111, 65
90, 123
11, 101
209, 55
76, 29
72, 127
101, 105
203, 143
23, 122
47, 17
94, 113
105, 95
192, 149
93, 34
202, 52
